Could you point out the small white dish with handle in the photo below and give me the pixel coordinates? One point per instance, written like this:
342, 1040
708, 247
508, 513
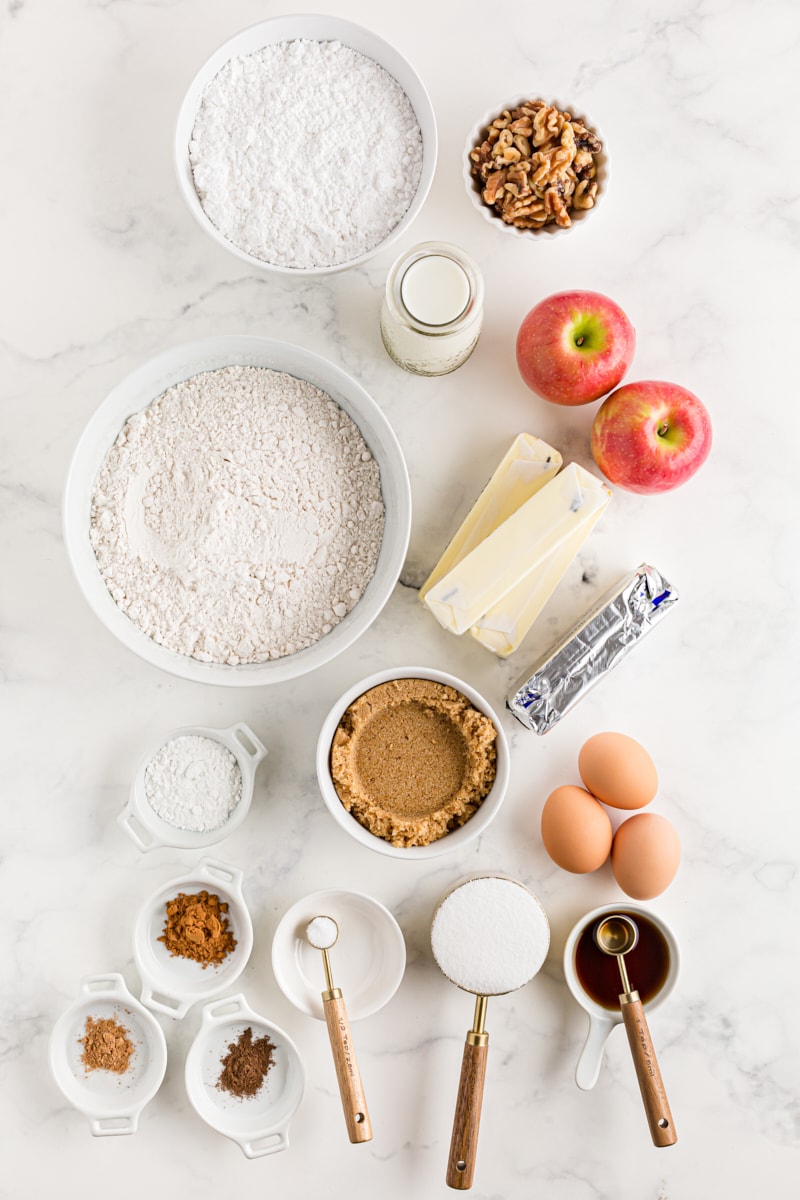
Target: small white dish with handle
171, 984
258, 1124
111, 1102
148, 830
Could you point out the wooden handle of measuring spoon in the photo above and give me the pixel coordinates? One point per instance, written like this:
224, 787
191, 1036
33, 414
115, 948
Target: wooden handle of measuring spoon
467, 1119
651, 1085
351, 1089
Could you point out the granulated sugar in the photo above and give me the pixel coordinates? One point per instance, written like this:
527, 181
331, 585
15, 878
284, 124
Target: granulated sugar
490, 935
193, 783
239, 517
305, 154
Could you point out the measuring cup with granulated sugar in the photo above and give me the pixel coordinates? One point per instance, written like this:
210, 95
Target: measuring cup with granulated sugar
489, 936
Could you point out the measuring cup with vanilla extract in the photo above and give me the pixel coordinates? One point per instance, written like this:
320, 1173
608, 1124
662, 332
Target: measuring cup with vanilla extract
593, 977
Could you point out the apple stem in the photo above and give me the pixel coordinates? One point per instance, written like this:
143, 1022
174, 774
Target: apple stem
663, 429
579, 340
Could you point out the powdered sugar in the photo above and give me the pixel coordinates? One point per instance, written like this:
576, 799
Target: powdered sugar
490, 935
305, 153
239, 517
193, 783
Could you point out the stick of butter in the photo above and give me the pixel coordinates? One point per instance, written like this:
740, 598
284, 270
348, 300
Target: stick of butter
526, 552
528, 465
505, 624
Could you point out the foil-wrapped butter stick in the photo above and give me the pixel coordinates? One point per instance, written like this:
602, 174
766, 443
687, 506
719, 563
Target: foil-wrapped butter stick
591, 648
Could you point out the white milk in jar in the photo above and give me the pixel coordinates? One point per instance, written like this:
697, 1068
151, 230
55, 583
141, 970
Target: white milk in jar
432, 309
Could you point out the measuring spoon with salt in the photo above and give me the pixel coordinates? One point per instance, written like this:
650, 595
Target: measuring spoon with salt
322, 933
489, 936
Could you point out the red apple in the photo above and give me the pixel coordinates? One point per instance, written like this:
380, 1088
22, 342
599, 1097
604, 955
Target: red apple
651, 436
575, 347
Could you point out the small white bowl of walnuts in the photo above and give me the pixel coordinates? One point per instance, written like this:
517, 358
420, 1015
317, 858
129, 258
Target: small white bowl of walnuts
535, 167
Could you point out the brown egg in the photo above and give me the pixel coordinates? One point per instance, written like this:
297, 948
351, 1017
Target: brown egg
618, 770
645, 855
576, 830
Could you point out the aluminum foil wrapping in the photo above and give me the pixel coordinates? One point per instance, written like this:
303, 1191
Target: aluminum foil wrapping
592, 647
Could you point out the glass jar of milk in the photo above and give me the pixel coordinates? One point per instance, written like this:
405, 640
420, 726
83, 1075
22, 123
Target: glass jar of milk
432, 309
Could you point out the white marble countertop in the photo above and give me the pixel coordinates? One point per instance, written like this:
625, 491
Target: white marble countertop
103, 267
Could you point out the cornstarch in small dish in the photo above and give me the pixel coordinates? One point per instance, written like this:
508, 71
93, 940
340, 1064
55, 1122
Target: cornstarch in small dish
239, 517
490, 935
193, 783
305, 154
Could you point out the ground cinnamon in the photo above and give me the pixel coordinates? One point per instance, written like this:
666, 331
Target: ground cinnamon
245, 1066
106, 1046
196, 927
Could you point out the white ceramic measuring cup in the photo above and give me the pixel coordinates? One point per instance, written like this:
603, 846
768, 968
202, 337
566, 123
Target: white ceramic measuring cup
259, 1124
144, 826
111, 1102
171, 984
603, 1020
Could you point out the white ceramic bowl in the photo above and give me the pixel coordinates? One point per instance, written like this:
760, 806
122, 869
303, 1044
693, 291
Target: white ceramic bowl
457, 838
368, 959
147, 829
112, 1103
603, 1020
260, 1123
319, 28
490, 214
172, 984
139, 390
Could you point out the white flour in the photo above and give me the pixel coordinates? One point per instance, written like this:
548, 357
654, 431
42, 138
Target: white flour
239, 517
193, 783
305, 154
490, 935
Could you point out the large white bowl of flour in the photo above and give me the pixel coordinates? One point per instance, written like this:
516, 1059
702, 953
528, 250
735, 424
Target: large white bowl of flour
305, 144
197, 553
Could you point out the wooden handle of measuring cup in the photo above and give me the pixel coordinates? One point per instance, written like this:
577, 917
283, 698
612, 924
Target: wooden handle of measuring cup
351, 1089
651, 1085
467, 1119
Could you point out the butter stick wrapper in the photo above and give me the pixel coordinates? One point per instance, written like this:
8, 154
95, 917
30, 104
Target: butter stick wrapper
594, 645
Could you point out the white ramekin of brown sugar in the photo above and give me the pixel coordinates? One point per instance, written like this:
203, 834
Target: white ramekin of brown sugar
412, 763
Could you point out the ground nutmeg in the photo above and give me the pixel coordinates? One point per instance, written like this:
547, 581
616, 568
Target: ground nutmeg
245, 1066
106, 1046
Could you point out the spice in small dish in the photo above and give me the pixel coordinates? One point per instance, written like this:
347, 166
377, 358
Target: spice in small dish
197, 927
106, 1046
246, 1065
413, 759
536, 165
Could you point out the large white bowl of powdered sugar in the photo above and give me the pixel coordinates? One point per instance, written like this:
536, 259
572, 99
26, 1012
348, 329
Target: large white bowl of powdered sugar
237, 511
304, 144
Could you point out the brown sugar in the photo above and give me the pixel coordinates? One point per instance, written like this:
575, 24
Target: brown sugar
196, 927
413, 759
